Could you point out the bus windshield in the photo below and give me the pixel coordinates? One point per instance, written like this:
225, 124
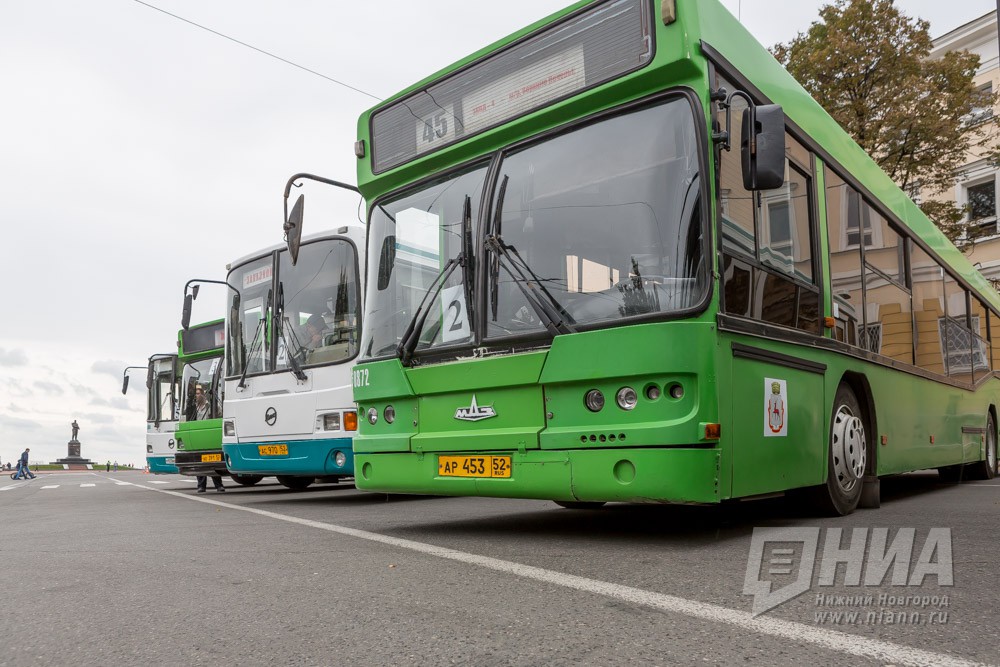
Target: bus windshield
597, 225
201, 391
317, 305
161, 398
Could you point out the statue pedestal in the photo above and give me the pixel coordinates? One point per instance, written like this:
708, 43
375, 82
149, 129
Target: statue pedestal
73, 459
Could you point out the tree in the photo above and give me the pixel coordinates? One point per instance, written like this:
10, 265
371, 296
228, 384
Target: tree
868, 65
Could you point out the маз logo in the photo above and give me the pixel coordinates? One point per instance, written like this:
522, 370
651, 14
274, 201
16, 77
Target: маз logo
474, 413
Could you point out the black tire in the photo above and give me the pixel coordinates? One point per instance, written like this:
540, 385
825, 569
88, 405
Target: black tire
246, 480
848, 456
295, 483
987, 468
578, 505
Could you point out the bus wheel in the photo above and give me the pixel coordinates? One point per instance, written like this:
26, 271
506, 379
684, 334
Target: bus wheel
577, 505
847, 455
247, 480
295, 483
987, 469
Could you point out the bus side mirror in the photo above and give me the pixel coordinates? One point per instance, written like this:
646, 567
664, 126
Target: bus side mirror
387, 259
186, 314
293, 228
125, 384
762, 147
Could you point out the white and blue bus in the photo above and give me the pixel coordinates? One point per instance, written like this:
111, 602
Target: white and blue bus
161, 412
293, 332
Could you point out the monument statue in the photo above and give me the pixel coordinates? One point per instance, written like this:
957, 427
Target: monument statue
73, 458
76, 430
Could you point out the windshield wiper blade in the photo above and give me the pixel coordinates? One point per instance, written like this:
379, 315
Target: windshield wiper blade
280, 326
553, 316
411, 335
253, 344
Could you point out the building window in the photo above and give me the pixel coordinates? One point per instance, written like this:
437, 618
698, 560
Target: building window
982, 202
983, 109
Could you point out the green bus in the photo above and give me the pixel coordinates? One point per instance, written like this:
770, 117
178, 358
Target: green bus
621, 255
200, 351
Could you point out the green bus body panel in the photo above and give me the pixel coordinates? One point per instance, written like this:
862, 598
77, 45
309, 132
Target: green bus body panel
562, 451
201, 435
643, 475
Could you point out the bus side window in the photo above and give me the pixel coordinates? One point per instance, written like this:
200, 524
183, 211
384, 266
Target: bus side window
842, 215
927, 279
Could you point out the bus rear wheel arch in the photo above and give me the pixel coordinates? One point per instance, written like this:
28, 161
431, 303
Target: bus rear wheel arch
246, 480
987, 468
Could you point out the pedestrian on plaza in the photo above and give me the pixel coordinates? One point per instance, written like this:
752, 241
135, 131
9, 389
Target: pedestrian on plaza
116, 466
23, 471
108, 468
216, 480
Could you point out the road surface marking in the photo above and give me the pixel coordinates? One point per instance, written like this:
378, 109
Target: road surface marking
51, 486
833, 640
124, 483
156, 481
83, 485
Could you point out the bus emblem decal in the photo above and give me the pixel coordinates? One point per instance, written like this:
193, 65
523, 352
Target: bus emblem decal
270, 416
474, 413
775, 402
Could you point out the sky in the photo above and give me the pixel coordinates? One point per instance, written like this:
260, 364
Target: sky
138, 151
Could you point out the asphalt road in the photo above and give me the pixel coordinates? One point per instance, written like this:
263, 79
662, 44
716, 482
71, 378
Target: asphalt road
126, 568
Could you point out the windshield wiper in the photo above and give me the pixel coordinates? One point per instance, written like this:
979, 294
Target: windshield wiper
411, 335
253, 343
280, 327
553, 315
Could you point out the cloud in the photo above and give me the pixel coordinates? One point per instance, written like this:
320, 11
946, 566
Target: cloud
13, 357
116, 402
109, 367
17, 423
17, 388
50, 388
84, 390
97, 418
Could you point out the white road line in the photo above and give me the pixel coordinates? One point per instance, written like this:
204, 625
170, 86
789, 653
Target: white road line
124, 483
156, 481
83, 485
10, 486
193, 481
51, 486
799, 632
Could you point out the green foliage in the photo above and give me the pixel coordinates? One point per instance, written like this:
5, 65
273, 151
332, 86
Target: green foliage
868, 65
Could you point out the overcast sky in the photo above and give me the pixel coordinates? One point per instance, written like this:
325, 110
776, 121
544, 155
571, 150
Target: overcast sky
138, 151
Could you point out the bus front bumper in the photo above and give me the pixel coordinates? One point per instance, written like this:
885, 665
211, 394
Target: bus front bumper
652, 475
161, 465
311, 458
194, 463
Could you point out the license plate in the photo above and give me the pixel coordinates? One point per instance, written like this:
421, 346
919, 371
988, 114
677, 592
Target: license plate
474, 466
273, 450
206, 458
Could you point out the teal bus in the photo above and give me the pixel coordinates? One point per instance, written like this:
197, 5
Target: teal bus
621, 255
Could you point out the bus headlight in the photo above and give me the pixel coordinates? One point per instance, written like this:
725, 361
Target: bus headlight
180, 444
626, 398
228, 428
594, 400
390, 414
331, 421
149, 449
340, 458
372, 416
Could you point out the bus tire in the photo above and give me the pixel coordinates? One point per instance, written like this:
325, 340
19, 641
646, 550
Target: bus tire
246, 480
579, 505
951, 474
295, 483
987, 468
847, 456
